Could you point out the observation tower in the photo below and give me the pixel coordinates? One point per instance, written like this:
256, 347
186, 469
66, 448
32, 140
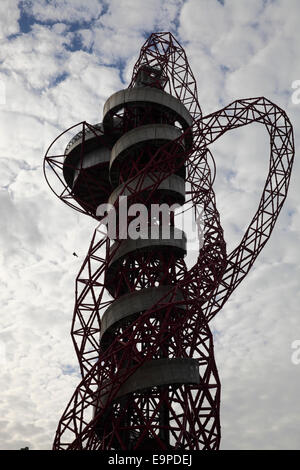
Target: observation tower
140, 325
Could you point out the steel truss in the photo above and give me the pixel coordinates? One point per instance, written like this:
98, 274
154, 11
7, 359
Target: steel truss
100, 415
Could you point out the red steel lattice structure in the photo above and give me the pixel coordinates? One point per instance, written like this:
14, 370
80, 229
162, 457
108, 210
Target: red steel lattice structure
149, 378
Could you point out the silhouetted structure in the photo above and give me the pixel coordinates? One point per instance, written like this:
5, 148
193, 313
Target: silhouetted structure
149, 378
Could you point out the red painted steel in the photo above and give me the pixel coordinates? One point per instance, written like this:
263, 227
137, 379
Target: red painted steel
181, 416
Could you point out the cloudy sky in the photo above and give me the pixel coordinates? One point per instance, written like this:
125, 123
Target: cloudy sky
60, 60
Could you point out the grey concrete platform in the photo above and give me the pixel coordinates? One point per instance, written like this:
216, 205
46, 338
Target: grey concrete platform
136, 302
173, 186
143, 95
159, 373
157, 134
162, 372
176, 243
92, 145
93, 158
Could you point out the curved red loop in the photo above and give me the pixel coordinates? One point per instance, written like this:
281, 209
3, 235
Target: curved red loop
237, 114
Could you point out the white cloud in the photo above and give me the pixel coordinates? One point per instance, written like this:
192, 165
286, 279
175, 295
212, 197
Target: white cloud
133, 15
38, 57
68, 11
9, 16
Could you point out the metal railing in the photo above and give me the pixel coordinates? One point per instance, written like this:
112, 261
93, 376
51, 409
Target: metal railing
79, 135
